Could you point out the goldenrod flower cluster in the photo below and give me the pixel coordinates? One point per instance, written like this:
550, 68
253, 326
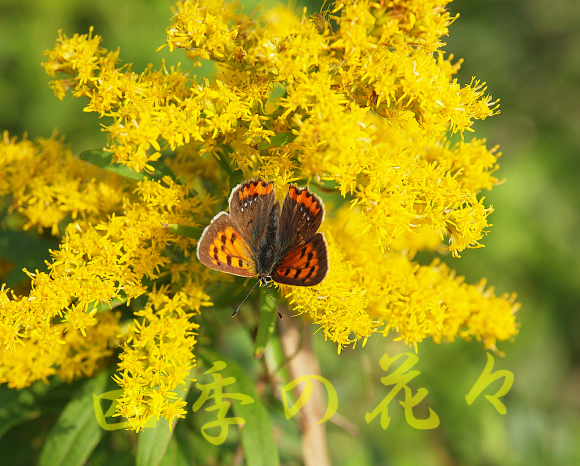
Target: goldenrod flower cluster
359, 100
65, 326
157, 356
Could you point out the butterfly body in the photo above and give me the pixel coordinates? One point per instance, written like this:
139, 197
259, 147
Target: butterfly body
258, 237
267, 252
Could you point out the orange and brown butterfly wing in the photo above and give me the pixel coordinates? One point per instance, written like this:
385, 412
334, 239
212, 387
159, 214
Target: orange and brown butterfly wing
302, 214
306, 265
251, 203
222, 248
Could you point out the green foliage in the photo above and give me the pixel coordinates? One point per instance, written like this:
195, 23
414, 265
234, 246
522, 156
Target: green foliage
103, 159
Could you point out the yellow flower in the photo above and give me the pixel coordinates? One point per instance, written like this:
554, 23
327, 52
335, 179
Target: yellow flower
48, 184
158, 357
71, 355
359, 101
368, 290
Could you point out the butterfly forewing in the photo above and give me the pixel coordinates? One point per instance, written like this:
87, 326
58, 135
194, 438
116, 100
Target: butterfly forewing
300, 219
250, 206
306, 265
221, 247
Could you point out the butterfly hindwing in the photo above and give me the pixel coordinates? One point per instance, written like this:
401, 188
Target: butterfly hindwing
300, 219
251, 203
306, 265
222, 248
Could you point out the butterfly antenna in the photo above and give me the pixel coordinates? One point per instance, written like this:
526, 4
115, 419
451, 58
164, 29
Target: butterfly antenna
272, 297
236, 311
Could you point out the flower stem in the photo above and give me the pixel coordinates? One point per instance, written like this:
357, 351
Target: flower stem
302, 361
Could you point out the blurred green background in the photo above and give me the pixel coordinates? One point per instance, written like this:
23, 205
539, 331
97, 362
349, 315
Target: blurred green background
528, 52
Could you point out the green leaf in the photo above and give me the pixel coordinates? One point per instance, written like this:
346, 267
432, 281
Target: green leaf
277, 141
236, 176
26, 251
17, 406
268, 317
153, 442
174, 456
194, 446
162, 170
184, 230
103, 159
76, 433
256, 434
100, 307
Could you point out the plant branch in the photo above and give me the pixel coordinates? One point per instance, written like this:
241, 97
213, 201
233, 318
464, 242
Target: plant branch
302, 361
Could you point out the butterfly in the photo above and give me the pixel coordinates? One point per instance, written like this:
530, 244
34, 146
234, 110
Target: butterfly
259, 238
